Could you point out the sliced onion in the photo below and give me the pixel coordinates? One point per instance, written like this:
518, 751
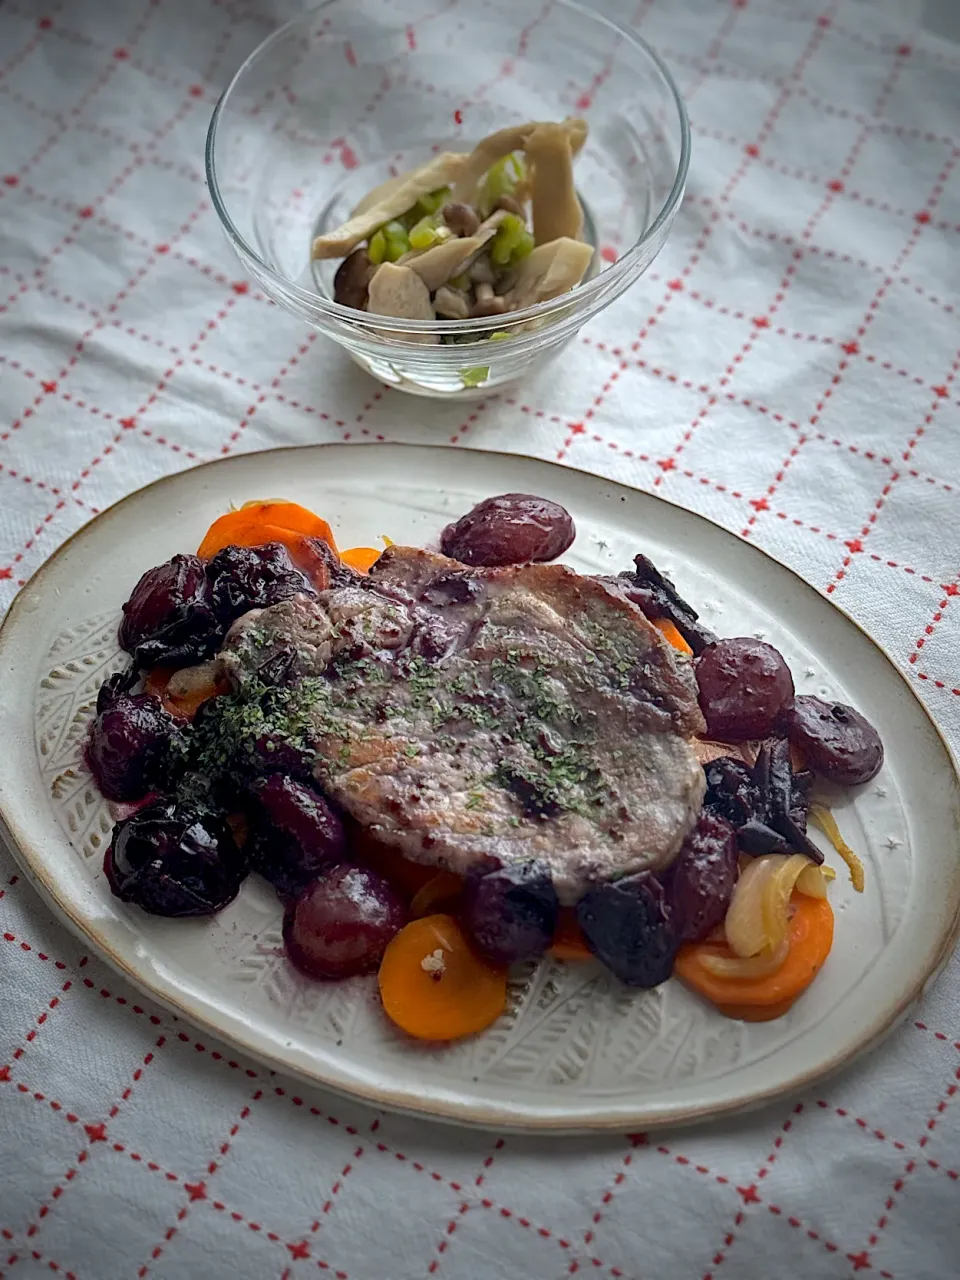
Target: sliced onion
757, 919
824, 819
812, 880
758, 966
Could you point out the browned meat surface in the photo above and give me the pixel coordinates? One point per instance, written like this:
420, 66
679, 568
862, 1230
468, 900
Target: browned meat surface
477, 715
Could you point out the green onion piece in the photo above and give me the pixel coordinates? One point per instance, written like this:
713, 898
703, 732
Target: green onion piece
501, 179
511, 238
396, 239
500, 335
377, 248
475, 376
460, 282
434, 201
424, 233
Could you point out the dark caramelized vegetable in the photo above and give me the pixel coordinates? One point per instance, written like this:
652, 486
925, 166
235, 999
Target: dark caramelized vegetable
773, 774
836, 741
168, 620
731, 791
700, 882
511, 914
295, 834
174, 861
514, 528
128, 747
342, 923
629, 925
656, 595
745, 686
245, 578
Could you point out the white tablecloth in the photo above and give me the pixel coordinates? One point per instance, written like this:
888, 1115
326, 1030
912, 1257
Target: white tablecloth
788, 368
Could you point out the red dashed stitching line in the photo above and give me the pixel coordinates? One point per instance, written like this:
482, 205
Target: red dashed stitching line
908, 1169
938, 684
951, 589
44, 24
39, 1021
198, 1191
861, 1124
452, 1225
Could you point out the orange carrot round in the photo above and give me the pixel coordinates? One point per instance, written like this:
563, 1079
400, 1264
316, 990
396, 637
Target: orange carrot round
259, 522
361, 558
433, 984
184, 705
810, 936
669, 632
439, 893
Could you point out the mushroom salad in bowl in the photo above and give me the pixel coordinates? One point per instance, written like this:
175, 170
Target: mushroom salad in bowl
451, 222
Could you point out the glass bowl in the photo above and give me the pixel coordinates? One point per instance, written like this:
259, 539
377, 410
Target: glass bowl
339, 100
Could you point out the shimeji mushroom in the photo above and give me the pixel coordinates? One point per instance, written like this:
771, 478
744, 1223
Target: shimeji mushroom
395, 198
551, 269
398, 291
437, 265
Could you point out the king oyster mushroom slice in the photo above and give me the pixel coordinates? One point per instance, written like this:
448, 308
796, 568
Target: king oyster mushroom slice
394, 199
398, 291
556, 209
440, 263
551, 269
451, 304
497, 145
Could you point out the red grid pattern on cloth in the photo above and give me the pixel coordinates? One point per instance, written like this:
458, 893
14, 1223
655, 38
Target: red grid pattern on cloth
804, 310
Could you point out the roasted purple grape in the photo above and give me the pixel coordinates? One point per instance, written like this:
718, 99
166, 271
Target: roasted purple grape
629, 925
174, 861
654, 593
245, 578
513, 528
732, 792
168, 620
295, 834
511, 914
836, 741
745, 686
128, 747
700, 882
342, 923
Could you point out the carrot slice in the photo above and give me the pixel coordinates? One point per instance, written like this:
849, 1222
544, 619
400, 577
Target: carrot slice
568, 943
361, 558
670, 633
760, 999
260, 522
434, 986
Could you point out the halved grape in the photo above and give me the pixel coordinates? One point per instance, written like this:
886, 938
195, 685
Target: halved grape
745, 686
837, 741
511, 913
295, 835
245, 578
168, 620
511, 529
629, 925
174, 860
342, 923
128, 747
702, 878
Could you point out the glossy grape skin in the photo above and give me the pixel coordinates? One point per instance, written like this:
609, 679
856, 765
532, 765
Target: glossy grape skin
837, 742
174, 861
629, 925
127, 750
513, 528
701, 880
168, 620
342, 923
745, 686
245, 578
510, 914
295, 834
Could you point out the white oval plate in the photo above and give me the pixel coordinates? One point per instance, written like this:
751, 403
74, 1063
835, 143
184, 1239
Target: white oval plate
576, 1050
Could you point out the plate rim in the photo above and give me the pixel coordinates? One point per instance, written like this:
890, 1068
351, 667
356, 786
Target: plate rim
158, 988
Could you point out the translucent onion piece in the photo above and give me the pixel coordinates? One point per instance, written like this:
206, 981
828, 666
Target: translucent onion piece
824, 819
776, 895
744, 924
759, 966
812, 880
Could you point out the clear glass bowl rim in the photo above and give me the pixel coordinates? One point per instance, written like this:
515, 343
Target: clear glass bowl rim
581, 295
